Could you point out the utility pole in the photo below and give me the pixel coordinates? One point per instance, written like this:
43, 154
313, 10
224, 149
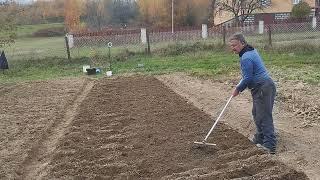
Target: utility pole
172, 16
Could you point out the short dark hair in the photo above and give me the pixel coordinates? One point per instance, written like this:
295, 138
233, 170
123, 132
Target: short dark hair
238, 36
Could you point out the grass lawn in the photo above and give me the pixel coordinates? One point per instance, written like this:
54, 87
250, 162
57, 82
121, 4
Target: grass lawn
46, 58
298, 66
28, 30
199, 63
34, 48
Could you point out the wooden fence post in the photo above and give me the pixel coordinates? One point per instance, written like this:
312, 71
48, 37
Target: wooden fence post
148, 42
67, 46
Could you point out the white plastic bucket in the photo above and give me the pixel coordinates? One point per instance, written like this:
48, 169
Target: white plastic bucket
109, 73
85, 67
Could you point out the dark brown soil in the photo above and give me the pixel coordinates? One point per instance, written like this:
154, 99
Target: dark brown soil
137, 128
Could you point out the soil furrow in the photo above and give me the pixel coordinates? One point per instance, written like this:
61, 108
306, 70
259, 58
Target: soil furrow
34, 166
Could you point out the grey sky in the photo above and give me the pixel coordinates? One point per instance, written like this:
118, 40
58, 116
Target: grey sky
20, 1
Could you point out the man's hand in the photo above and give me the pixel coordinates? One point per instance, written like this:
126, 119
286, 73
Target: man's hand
235, 93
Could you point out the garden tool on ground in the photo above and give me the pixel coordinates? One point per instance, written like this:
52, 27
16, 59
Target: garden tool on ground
204, 142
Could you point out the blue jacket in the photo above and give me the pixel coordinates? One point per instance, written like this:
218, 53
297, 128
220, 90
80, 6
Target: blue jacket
254, 73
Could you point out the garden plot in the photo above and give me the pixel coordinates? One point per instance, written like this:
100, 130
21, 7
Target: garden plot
137, 128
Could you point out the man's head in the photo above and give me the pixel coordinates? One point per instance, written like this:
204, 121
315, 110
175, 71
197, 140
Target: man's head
237, 42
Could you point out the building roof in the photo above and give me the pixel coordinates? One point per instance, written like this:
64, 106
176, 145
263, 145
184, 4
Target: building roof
277, 6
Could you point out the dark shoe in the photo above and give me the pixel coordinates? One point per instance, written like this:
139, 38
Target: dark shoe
268, 150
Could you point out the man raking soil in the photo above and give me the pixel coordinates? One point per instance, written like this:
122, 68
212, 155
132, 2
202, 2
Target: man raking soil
256, 78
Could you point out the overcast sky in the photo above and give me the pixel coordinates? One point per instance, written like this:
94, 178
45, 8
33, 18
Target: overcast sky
20, 1
24, 1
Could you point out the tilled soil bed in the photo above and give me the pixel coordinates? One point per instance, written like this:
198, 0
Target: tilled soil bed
30, 115
137, 128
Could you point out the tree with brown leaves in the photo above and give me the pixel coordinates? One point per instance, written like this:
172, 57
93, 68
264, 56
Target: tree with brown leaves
72, 11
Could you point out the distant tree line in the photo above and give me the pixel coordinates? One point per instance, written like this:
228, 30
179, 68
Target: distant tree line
101, 13
8, 26
98, 14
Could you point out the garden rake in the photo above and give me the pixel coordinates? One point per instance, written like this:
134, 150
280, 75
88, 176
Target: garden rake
204, 142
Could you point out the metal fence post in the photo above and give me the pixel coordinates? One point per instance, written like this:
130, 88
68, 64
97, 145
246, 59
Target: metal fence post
224, 34
270, 36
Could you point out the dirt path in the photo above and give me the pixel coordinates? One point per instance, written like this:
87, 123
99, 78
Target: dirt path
299, 145
39, 157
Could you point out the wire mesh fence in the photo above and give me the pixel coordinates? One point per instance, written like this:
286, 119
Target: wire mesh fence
275, 34
180, 34
105, 43
86, 43
295, 33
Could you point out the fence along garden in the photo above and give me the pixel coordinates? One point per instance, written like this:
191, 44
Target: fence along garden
276, 34
82, 43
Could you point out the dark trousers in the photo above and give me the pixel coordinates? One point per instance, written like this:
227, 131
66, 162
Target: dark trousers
263, 100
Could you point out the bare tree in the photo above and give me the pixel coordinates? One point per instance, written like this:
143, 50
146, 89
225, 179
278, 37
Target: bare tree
97, 14
240, 9
211, 10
